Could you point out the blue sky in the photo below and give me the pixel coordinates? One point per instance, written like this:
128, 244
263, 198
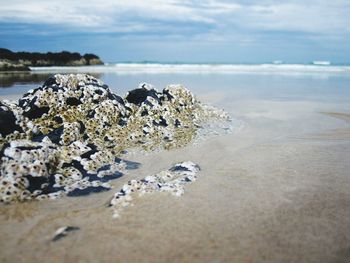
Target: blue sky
184, 31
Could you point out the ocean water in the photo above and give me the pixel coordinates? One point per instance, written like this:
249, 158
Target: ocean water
157, 68
237, 82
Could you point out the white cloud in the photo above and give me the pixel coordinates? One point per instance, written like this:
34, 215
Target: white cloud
92, 14
311, 16
207, 17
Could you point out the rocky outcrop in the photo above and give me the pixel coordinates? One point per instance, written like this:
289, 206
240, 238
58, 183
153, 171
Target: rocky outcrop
8, 65
19, 61
67, 136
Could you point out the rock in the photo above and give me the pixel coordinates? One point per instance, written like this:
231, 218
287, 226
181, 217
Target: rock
172, 181
63, 231
21, 61
8, 65
66, 137
138, 96
8, 121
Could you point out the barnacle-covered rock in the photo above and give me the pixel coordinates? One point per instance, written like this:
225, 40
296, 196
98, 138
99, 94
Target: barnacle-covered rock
172, 181
25, 169
66, 136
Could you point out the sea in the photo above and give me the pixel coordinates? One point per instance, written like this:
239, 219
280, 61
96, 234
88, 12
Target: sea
320, 79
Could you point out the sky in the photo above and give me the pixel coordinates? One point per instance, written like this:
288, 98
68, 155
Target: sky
192, 31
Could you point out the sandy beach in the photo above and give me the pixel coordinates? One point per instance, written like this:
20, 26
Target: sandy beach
274, 190
175, 131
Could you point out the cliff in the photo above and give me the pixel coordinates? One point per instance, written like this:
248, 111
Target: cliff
21, 61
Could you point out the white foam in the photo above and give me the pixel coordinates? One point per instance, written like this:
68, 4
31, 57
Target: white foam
321, 63
152, 68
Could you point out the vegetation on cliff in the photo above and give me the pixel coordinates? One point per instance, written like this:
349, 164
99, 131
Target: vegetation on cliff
19, 61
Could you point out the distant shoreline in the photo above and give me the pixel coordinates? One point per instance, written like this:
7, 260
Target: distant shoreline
22, 61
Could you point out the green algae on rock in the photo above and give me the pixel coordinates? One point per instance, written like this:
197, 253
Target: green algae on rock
67, 136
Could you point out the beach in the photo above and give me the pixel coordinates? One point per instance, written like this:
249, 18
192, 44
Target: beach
275, 189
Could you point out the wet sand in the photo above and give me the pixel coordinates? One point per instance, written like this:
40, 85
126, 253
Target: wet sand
276, 190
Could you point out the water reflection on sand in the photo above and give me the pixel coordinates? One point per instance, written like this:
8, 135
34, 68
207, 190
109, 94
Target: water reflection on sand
10, 79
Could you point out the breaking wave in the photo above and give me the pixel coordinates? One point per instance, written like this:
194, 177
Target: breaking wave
157, 68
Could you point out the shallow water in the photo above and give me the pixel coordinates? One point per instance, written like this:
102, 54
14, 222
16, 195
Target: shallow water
317, 86
275, 190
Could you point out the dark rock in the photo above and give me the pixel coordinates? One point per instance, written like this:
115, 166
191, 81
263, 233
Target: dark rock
88, 154
32, 111
98, 91
58, 119
82, 127
50, 81
71, 101
55, 135
36, 182
113, 96
7, 121
144, 113
137, 96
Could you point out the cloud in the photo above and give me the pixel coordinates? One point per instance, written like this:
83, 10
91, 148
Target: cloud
97, 14
311, 16
213, 19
